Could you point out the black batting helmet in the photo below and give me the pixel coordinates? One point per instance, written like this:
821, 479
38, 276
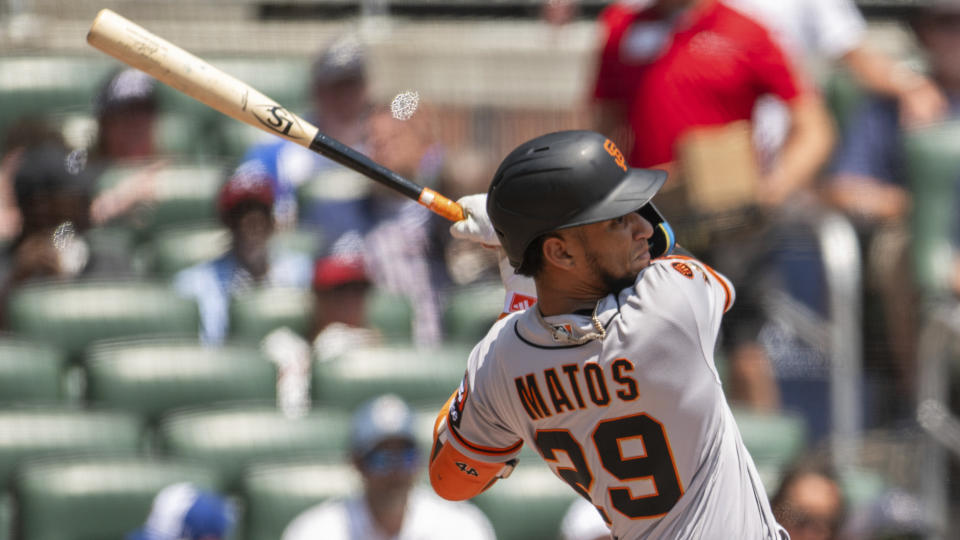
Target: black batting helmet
566, 179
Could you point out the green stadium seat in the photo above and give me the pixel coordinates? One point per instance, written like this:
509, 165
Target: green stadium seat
303, 241
472, 311
73, 315
420, 376
115, 242
96, 499
150, 377
30, 371
186, 193
843, 95
277, 493
774, 440
231, 438
257, 312
529, 505
48, 85
391, 314
41, 431
172, 249
933, 161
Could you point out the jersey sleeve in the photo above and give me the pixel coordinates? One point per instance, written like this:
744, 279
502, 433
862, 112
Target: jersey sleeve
476, 423
699, 293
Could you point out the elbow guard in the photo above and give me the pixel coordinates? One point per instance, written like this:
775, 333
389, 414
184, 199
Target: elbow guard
455, 476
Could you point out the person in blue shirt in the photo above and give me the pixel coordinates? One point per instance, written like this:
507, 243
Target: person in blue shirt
245, 207
182, 511
340, 106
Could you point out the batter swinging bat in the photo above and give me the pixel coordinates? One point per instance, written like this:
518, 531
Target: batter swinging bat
133, 45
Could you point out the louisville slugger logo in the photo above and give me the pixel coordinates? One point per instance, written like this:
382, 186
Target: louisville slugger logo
278, 119
615, 153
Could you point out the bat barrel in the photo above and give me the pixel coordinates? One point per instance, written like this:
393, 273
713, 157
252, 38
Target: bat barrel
137, 47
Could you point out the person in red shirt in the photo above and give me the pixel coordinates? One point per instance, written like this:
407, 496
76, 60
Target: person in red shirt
669, 67
681, 64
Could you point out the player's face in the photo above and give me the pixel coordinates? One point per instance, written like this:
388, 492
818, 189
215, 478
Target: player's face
616, 250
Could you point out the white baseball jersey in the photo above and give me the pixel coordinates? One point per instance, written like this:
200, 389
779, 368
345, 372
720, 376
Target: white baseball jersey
636, 422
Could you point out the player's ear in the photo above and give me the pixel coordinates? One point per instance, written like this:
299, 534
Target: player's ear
556, 252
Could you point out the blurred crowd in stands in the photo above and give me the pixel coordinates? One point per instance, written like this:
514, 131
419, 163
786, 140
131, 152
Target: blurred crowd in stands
728, 95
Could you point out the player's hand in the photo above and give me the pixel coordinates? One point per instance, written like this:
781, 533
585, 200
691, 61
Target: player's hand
476, 226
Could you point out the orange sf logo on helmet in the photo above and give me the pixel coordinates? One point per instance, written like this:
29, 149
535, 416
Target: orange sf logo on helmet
615, 153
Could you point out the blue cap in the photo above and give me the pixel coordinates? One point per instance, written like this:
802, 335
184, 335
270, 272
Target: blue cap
181, 511
384, 418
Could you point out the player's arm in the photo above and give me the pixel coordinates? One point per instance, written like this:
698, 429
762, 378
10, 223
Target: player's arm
521, 292
454, 475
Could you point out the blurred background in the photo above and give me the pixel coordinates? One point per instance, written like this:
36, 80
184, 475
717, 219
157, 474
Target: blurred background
186, 299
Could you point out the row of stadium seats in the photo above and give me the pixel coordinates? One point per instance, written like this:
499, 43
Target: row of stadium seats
62, 462
150, 377
72, 316
68, 84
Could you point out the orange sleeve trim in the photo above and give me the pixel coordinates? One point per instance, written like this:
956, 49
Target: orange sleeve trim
728, 300
485, 450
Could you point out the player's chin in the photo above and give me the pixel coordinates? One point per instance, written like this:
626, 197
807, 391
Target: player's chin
642, 260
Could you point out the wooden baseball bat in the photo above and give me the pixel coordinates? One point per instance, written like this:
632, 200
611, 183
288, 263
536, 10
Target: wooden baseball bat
135, 46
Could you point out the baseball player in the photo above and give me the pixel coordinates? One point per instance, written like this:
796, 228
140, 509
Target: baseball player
610, 375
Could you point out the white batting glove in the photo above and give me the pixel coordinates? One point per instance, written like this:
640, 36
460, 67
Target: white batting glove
476, 227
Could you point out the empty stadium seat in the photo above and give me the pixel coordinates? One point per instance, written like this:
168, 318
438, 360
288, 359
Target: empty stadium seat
390, 313
30, 371
231, 438
257, 312
774, 440
933, 161
36, 432
172, 249
95, 499
421, 376
529, 505
73, 315
150, 377
305, 241
471, 311
276, 493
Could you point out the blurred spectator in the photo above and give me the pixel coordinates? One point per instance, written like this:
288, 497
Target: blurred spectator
52, 189
340, 104
809, 502
340, 288
184, 512
404, 248
894, 515
383, 449
126, 111
834, 31
245, 206
671, 69
869, 183
583, 522
25, 132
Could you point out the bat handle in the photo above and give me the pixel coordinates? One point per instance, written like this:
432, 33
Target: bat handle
440, 205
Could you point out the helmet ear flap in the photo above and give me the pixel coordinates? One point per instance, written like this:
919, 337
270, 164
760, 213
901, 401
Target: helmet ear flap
663, 240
